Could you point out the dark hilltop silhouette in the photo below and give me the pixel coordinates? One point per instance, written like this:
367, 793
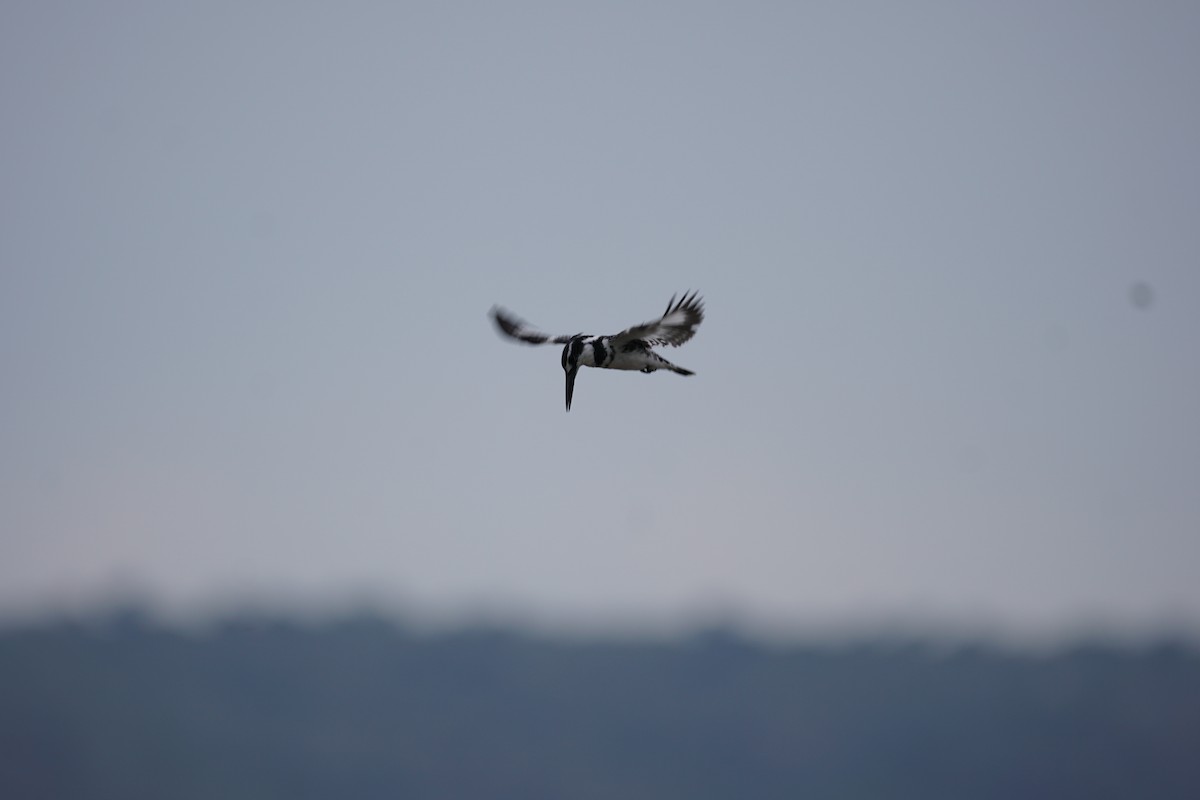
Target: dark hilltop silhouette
362, 708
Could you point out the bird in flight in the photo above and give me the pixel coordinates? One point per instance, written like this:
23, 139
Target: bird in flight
629, 349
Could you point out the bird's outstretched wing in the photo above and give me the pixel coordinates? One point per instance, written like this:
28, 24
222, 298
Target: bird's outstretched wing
678, 324
512, 325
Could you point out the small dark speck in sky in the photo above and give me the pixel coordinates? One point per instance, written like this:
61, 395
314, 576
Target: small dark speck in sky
1141, 295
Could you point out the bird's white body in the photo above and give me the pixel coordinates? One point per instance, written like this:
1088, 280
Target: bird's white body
600, 352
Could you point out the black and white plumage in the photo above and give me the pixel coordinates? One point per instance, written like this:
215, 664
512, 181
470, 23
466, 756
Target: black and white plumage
629, 349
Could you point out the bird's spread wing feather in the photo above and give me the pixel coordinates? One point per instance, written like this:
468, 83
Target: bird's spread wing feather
512, 325
678, 324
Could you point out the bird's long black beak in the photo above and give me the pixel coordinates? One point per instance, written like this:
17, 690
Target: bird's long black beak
571, 385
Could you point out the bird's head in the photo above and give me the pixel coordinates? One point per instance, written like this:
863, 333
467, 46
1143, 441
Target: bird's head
570, 364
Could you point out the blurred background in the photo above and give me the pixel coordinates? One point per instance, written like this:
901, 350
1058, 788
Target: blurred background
926, 520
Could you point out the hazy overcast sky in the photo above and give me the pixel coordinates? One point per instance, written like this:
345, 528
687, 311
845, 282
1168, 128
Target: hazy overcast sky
950, 253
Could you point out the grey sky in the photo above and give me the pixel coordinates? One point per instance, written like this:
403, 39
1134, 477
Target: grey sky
247, 251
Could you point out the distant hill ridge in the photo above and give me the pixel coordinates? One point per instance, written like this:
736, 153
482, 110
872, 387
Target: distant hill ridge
363, 708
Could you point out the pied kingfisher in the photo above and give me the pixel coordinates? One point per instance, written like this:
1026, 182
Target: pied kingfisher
629, 349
